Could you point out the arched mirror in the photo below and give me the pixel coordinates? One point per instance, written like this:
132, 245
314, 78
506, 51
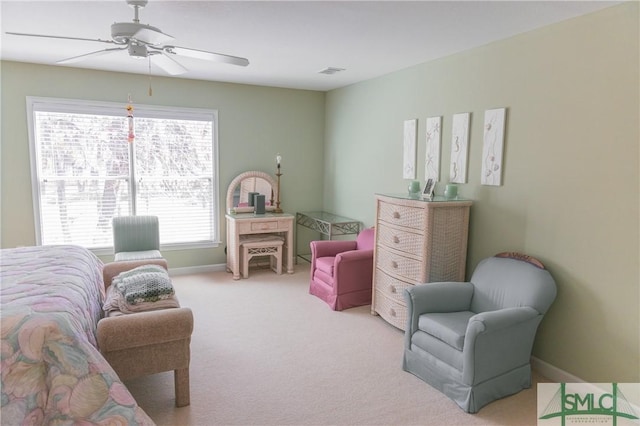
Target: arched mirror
252, 181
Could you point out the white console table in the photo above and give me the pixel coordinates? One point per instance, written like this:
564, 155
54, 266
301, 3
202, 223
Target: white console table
250, 224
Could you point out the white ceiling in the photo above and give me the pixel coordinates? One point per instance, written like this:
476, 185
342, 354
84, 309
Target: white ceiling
286, 42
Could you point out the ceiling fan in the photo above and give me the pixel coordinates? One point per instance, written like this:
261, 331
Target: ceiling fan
144, 41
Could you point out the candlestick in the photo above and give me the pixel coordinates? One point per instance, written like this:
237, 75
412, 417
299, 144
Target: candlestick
278, 174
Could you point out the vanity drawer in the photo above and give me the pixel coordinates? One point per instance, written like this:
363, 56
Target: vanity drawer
394, 312
391, 287
397, 265
262, 226
407, 242
410, 217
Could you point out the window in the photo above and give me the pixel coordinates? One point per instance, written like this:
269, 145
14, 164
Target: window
85, 172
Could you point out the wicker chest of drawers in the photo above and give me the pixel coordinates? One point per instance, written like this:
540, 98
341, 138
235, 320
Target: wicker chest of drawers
417, 241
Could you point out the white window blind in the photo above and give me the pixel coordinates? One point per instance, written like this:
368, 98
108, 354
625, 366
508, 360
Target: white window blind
85, 172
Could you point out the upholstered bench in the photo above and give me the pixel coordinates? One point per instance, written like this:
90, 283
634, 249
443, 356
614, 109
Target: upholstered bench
143, 343
261, 245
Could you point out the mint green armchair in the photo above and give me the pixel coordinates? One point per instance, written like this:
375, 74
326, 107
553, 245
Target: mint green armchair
136, 238
473, 340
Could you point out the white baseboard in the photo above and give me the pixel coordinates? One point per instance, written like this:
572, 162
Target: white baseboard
553, 373
202, 269
197, 269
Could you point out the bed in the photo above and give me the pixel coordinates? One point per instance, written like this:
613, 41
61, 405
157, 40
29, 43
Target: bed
52, 372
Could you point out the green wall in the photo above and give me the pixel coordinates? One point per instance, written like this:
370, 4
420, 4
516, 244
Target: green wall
255, 123
570, 191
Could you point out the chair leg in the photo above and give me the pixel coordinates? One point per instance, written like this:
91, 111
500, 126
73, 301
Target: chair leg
181, 381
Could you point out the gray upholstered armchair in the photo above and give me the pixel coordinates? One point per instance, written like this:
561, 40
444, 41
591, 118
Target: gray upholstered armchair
473, 341
136, 238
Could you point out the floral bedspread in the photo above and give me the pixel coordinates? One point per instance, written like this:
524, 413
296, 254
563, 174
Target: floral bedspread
52, 372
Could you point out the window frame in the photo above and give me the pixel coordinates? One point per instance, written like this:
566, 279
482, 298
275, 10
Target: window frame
35, 103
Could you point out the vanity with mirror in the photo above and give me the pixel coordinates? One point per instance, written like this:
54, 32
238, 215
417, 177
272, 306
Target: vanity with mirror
242, 219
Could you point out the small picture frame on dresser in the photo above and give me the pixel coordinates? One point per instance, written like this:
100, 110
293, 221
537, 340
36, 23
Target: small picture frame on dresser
428, 189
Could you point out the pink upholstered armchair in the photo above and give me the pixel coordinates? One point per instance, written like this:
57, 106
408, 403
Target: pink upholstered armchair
342, 271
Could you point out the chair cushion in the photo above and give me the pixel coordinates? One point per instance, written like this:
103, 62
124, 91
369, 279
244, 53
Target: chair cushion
137, 255
325, 264
422, 342
448, 327
323, 277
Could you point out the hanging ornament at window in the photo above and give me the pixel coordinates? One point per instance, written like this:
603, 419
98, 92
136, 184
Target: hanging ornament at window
130, 119
150, 89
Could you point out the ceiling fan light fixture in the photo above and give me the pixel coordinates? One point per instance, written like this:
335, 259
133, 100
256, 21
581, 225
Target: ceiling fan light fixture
138, 51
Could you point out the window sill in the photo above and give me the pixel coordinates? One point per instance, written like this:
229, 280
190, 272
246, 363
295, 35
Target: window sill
106, 251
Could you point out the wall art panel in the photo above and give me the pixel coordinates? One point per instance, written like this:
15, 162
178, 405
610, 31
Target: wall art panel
459, 148
409, 154
492, 148
434, 140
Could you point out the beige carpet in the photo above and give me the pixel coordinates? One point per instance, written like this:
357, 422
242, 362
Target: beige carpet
265, 352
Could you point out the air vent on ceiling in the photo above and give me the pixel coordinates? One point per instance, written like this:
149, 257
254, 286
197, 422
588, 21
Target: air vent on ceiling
331, 70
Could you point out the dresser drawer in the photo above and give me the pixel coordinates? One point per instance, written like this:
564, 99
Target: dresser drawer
390, 287
410, 217
395, 313
407, 242
397, 265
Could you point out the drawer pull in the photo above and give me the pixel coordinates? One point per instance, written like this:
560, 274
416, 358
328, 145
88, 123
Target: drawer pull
394, 264
396, 215
396, 239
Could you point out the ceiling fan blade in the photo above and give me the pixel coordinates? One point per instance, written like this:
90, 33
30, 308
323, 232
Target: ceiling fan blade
61, 37
86, 55
168, 64
152, 36
207, 56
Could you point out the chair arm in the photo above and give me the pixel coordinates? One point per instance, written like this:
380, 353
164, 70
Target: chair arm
354, 255
491, 321
435, 297
497, 342
144, 328
324, 248
353, 270
439, 297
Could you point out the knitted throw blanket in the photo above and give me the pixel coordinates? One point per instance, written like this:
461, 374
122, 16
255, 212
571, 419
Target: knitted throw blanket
148, 283
116, 305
